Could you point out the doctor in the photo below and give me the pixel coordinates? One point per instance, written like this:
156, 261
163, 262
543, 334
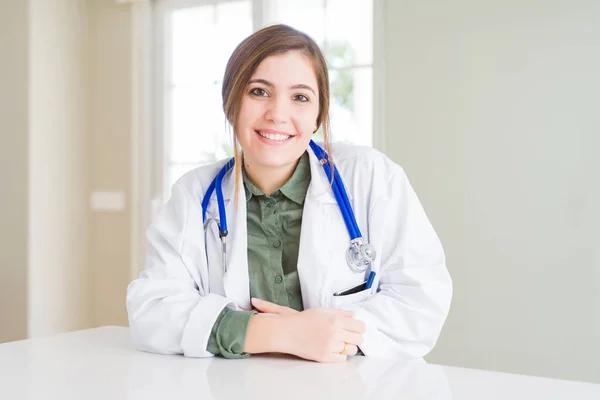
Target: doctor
287, 285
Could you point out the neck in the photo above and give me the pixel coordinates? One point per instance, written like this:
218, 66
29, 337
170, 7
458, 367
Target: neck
269, 179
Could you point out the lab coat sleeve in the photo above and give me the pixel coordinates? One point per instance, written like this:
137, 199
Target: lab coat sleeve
405, 316
169, 312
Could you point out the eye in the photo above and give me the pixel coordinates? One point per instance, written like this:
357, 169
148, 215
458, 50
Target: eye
258, 92
301, 98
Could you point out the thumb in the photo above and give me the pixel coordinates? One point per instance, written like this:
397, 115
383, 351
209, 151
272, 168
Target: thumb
271, 308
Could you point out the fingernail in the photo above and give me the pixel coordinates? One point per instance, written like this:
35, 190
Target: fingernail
256, 300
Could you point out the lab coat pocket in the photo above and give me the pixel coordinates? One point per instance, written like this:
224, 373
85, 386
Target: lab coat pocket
350, 299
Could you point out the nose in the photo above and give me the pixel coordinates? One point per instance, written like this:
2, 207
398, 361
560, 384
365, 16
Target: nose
277, 111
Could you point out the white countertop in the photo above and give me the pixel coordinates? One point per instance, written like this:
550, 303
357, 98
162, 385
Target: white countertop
103, 364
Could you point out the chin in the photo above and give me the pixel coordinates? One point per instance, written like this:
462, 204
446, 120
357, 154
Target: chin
273, 156
275, 161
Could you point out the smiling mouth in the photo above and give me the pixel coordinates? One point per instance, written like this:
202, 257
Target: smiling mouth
278, 137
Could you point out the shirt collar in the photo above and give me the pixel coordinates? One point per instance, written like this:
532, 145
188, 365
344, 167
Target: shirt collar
294, 189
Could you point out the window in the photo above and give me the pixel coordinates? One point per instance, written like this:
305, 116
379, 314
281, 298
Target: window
195, 39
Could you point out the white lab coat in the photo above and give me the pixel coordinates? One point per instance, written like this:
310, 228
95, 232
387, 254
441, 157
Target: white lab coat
174, 304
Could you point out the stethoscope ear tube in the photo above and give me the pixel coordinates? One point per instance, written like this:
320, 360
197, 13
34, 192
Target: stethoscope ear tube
216, 184
339, 191
220, 200
206, 200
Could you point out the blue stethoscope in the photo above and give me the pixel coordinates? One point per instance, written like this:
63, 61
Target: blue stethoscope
360, 254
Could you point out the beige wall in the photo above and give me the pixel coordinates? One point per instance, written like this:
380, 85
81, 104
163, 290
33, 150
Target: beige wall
14, 23
493, 111
59, 298
110, 77
44, 156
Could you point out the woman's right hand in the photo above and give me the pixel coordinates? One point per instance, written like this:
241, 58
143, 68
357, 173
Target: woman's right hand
317, 334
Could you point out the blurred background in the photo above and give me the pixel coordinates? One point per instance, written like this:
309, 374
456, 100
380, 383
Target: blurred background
492, 108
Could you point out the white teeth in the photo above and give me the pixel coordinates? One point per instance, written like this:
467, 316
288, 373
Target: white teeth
274, 136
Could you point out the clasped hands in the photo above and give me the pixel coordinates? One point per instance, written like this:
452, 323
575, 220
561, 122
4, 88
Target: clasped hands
318, 334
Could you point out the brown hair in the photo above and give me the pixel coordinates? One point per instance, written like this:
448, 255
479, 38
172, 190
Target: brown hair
242, 64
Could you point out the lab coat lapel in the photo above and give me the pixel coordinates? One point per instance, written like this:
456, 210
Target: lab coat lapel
236, 281
324, 239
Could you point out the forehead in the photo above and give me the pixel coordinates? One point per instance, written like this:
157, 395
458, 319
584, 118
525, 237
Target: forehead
290, 68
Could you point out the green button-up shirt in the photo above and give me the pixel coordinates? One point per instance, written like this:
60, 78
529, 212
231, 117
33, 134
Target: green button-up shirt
273, 240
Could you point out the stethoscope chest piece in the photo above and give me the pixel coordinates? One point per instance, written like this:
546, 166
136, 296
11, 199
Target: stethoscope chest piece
360, 255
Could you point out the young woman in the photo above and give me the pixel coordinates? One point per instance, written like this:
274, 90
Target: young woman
258, 258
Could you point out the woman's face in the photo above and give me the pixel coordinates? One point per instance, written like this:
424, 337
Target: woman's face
279, 111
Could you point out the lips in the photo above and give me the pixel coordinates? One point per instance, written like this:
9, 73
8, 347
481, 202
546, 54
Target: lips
274, 135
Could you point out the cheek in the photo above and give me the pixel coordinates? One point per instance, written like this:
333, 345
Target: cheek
247, 116
306, 120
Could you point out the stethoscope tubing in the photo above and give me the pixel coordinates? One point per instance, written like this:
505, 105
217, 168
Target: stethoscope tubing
339, 191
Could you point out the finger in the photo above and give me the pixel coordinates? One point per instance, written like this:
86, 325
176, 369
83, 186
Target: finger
351, 338
351, 350
347, 348
265, 306
339, 312
268, 307
354, 325
344, 313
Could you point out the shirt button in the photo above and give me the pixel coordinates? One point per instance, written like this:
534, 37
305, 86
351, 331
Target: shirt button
278, 279
277, 244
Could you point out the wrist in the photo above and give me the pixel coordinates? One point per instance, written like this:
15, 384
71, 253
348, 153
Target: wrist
282, 334
266, 334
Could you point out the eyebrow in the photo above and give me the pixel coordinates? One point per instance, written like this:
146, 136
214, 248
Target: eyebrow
269, 84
